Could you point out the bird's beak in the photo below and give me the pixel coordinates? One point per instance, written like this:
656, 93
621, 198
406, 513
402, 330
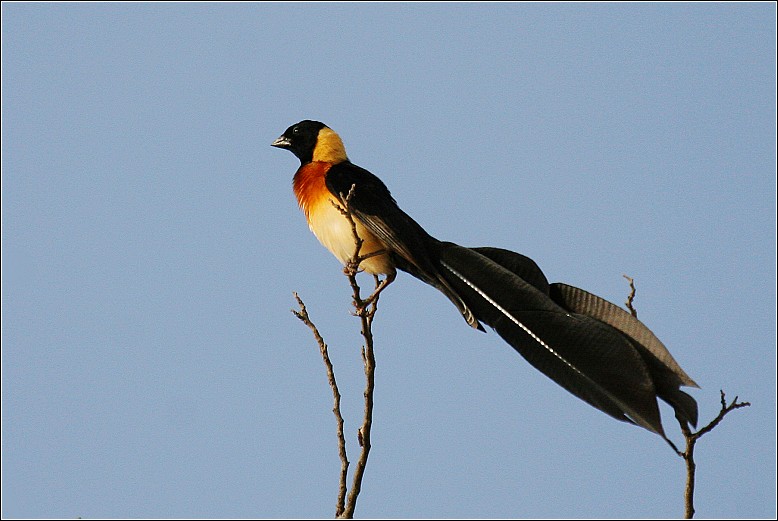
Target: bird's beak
282, 142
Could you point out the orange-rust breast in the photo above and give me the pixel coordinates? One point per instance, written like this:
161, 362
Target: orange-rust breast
309, 186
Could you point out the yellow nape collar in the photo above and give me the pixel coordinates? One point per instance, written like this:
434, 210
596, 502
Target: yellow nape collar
329, 147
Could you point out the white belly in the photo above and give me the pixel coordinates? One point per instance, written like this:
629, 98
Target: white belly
334, 231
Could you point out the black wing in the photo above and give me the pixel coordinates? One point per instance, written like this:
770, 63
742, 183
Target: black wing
412, 248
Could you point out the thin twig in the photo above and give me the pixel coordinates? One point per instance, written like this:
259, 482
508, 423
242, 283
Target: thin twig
691, 437
368, 358
302, 314
365, 310
631, 296
691, 440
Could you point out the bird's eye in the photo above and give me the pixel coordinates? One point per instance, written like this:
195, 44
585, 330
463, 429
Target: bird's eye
296, 130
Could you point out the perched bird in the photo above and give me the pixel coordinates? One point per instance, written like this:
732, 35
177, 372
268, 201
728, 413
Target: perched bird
596, 350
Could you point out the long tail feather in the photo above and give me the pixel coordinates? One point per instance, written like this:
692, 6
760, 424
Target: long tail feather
665, 371
589, 358
666, 374
518, 264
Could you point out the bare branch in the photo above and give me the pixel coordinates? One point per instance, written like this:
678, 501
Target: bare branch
691, 437
363, 434
631, 296
365, 309
691, 440
302, 314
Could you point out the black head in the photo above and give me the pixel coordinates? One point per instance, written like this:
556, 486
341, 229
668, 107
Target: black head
300, 139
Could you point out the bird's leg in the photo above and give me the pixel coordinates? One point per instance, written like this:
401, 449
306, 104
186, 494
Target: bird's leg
363, 305
352, 266
380, 285
367, 306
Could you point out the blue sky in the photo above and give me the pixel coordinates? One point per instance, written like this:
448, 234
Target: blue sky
150, 246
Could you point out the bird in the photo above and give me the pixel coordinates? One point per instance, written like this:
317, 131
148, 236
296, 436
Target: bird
594, 349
